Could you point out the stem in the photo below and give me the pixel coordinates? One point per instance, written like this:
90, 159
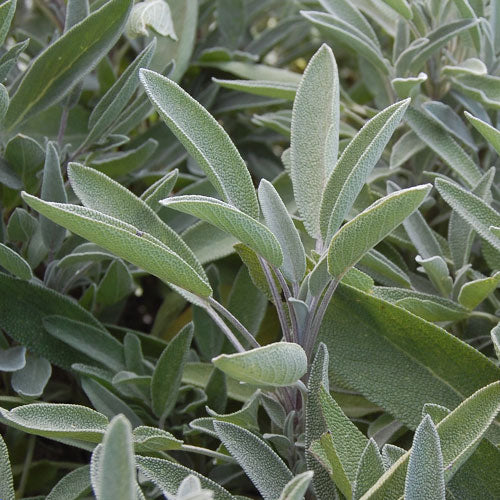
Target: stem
62, 125
293, 317
227, 332
207, 452
26, 466
235, 322
485, 315
277, 299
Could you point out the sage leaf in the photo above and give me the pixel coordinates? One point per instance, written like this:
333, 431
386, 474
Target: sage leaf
278, 90
30, 381
7, 10
406, 147
73, 485
159, 190
370, 227
491, 134
401, 7
297, 487
473, 293
11, 261
354, 166
7, 483
204, 139
495, 337
12, 358
274, 365
261, 464
315, 118
231, 220
370, 468
153, 13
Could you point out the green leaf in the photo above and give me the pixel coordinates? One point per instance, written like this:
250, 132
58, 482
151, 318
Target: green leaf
401, 7
437, 271
204, 139
153, 13
13, 358
473, 293
281, 225
370, 468
405, 148
4, 102
126, 241
116, 473
58, 421
475, 212
231, 21
274, 365
495, 337
408, 87
115, 285
355, 165
383, 270
73, 485
278, 90
425, 475
297, 487
231, 220
160, 190
168, 372
97, 343
483, 88
7, 483
491, 134
261, 464
372, 225
7, 10
14, 263
76, 11
30, 381
52, 190
445, 146
54, 72
314, 134
168, 476
153, 439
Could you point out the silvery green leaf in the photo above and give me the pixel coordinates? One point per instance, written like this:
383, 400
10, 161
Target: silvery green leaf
437, 270
58, 421
168, 372
73, 485
405, 57
231, 21
154, 439
7, 10
12, 358
116, 98
54, 72
7, 483
314, 134
76, 11
467, 12
190, 489
52, 190
261, 464
483, 88
274, 365
115, 285
425, 475
281, 225
476, 212
368, 228
100, 193
4, 102
401, 7
370, 468
407, 87
495, 337
354, 166
474, 292
154, 14
12, 262
435, 411
30, 381
391, 454
445, 146
21, 226
405, 148
204, 139
168, 476
160, 190
383, 270
491, 134
471, 66
279, 90
126, 241
231, 220
297, 487
116, 470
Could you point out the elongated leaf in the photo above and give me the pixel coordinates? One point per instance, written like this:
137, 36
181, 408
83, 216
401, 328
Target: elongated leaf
273, 365
445, 146
204, 139
126, 241
7, 10
407, 146
168, 372
401, 7
99, 192
7, 483
231, 220
281, 225
31, 380
370, 468
363, 232
73, 485
495, 338
14, 263
159, 190
314, 134
297, 487
491, 134
116, 474
354, 166
477, 213
425, 475
279, 90
473, 293
483, 88
54, 72
264, 467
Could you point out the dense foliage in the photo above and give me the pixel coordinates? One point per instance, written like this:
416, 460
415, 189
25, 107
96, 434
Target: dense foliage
249, 249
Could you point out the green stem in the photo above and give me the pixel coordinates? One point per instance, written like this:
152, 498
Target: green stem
485, 315
225, 329
207, 452
26, 466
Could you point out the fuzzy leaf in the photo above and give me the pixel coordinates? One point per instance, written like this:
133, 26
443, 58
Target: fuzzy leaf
73, 485
297, 487
491, 134
153, 439
30, 381
204, 139
368, 228
12, 358
153, 13
274, 365
473, 293
160, 190
405, 148
314, 134
370, 468
14, 263
7, 483
277, 90
7, 10
401, 7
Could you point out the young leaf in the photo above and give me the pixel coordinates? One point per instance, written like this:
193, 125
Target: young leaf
126, 241
425, 475
73, 485
491, 134
277, 90
314, 134
363, 232
231, 220
14, 263
153, 13
54, 72
116, 473
168, 372
281, 225
30, 381
473, 293
274, 365
297, 487
354, 166
204, 139
153, 439
264, 467
7, 483
370, 468
159, 190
